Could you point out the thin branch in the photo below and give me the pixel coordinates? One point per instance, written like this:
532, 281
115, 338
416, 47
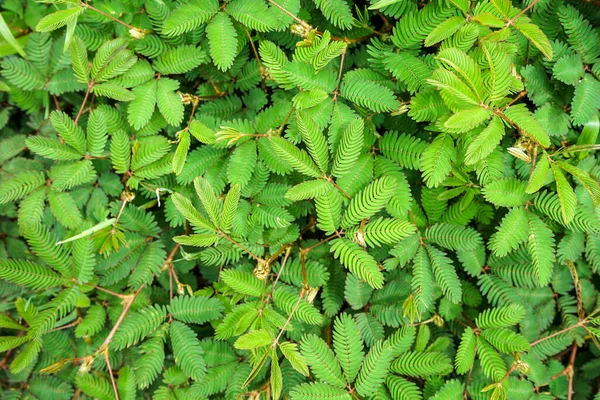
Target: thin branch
513, 101
257, 258
121, 296
571, 371
110, 373
127, 305
110, 17
570, 328
285, 258
276, 341
339, 78
328, 179
298, 20
307, 249
119, 215
87, 93
512, 20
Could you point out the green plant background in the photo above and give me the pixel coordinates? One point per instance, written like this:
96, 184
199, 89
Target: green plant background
305, 199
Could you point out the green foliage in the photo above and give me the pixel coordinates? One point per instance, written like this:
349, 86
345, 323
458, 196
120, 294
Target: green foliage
304, 199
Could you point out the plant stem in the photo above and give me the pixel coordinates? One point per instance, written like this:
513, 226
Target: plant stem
87, 93
109, 16
577, 325
110, 373
110, 292
298, 20
512, 20
287, 321
257, 258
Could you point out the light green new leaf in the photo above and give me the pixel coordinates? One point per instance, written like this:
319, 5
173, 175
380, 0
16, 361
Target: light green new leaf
566, 195
540, 173
444, 30
536, 36
181, 152
58, 19
10, 39
253, 340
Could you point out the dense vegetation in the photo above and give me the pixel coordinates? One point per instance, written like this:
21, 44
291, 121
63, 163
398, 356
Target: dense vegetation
304, 199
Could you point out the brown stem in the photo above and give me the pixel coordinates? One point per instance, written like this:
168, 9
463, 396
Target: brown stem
110, 373
110, 292
285, 258
128, 301
87, 93
119, 215
276, 341
466, 391
257, 258
337, 234
280, 129
56, 104
298, 20
511, 21
260, 66
571, 371
339, 78
513, 101
110, 16
195, 103
328, 179
72, 324
577, 325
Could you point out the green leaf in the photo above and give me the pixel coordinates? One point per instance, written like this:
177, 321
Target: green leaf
536, 36
524, 120
28, 273
169, 103
181, 152
369, 201
374, 369
444, 30
511, 232
349, 148
336, 11
297, 158
566, 195
10, 39
187, 350
243, 282
222, 41
361, 263
348, 346
465, 356
506, 192
322, 361
253, 340
436, 160
189, 16
540, 244
58, 19
486, 142
296, 359
466, 120
318, 390
540, 173
314, 140
445, 274
140, 110
586, 100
